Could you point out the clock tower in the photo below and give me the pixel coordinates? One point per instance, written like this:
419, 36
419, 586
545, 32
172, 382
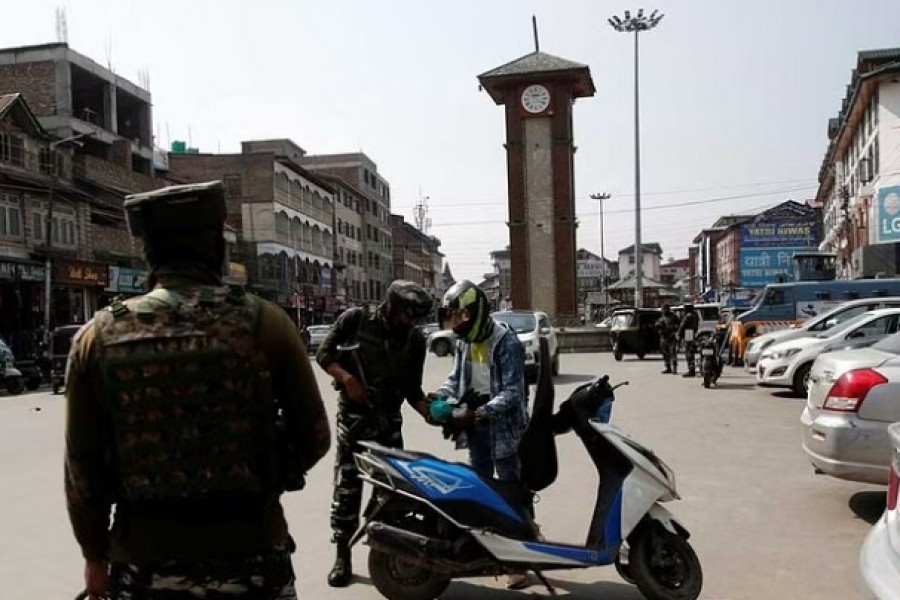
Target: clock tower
538, 91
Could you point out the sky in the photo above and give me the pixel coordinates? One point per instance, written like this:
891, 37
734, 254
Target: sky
734, 102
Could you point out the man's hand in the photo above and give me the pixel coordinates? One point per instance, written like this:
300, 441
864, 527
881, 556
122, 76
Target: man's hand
355, 390
465, 420
96, 579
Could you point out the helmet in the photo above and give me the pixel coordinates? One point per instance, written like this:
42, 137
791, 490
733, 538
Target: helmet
180, 224
465, 295
405, 298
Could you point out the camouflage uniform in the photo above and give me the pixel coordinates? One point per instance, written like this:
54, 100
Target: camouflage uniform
668, 341
190, 409
393, 364
690, 322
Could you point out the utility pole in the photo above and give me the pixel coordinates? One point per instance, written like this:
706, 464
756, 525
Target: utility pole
636, 24
48, 229
600, 198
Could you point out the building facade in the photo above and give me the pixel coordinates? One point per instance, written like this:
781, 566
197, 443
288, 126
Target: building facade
652, 254
284, 219
361, 172
859, 180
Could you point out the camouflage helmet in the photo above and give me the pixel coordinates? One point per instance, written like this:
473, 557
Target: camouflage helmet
178, 209
408, 299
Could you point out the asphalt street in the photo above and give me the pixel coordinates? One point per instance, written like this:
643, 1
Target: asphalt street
763, 524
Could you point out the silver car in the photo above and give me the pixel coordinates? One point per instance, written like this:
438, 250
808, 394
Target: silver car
879, 559
317, 335
854, 395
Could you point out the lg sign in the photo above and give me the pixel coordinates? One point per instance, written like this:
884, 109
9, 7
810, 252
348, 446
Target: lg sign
889, 217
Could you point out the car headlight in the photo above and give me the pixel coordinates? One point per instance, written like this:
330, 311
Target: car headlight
787, 353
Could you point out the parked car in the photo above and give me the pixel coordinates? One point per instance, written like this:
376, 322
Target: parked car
441, 342
317, 335
605, 324
531, 326
824, 322
879, 559
788, 364
854, 395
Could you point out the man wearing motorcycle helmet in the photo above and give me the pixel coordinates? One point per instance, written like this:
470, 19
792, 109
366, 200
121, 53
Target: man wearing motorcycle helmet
488, 366
376, 359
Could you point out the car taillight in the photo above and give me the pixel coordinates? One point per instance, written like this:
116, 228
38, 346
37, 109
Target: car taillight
894, 482
849, 391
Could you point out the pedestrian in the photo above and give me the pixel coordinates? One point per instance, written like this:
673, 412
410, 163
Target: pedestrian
190, 409
687, 334
376, 359
488, 366
667, 326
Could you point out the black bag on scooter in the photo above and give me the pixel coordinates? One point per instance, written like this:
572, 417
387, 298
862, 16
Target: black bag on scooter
537, 450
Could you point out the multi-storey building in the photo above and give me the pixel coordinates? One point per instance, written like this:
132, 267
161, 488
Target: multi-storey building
501, 280
859, 180
361, 172
417, 256
349, 263
76, 140
284, 217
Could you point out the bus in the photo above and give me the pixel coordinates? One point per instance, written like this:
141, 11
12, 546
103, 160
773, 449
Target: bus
783, 305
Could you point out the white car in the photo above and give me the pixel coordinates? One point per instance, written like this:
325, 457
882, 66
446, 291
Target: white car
814, 326
879, 559
317, 335
531, 326
788, 364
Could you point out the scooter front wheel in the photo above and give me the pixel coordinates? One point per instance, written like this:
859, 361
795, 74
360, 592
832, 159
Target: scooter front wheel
397, 579
664, 565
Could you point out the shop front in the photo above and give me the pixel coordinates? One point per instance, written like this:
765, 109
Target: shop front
77, 291
21, 305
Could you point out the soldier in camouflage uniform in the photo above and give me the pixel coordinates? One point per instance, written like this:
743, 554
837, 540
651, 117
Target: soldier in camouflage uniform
373, 379
190, 409
667, 325
687, 334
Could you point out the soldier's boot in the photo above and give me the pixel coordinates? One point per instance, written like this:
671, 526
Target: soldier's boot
342, 571
690, 373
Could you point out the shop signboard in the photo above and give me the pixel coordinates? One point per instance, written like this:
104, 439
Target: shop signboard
784, 234
888, 206
127, 281
80, 273
762, 266
21, 271
237, 274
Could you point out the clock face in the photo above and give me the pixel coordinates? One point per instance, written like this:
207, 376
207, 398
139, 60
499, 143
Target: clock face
535, 99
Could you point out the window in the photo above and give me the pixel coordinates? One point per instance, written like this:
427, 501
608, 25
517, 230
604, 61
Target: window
10, 216
12, 150
63, 227
47, 161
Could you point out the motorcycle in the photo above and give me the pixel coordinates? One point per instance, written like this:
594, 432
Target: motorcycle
430, 521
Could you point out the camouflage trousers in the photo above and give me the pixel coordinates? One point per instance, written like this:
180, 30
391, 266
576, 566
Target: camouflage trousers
669, 348
347, 500
261, 577
690, 356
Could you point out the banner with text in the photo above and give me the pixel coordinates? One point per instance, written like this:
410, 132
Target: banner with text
762, 266
798, 234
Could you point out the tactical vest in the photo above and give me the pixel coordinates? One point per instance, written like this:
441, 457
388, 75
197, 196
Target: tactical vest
384, 365
190, 395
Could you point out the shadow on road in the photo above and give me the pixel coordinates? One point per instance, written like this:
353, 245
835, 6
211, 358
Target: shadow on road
745, 386
464, 590
868, 506
565, 378
787, 395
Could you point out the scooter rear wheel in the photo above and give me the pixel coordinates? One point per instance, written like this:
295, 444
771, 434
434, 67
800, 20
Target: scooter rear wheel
15, 385
397, 579
664, 565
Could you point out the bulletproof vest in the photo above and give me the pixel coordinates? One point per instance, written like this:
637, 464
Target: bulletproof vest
189, 391
384, 360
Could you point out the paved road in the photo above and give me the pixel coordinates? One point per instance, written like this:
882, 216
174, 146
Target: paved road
763, 524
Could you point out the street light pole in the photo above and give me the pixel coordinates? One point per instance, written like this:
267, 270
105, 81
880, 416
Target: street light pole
600, 198
636, 24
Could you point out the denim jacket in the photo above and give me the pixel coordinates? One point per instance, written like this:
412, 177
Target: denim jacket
506, 412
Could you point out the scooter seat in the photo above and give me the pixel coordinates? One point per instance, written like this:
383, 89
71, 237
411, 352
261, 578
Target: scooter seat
398, 453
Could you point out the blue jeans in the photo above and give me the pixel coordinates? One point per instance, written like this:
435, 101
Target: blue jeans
482, 460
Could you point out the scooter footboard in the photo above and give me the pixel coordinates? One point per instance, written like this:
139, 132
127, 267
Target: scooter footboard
664, 517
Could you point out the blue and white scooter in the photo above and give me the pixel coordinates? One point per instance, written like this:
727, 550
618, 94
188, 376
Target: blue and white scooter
430, 521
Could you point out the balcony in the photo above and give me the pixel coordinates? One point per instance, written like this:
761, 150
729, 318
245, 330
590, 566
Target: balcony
304, 207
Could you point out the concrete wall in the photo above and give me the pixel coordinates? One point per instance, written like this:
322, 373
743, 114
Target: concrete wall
539, 213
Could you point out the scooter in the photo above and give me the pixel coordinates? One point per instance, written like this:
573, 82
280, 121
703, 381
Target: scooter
711, 363
10, 377
430, 521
